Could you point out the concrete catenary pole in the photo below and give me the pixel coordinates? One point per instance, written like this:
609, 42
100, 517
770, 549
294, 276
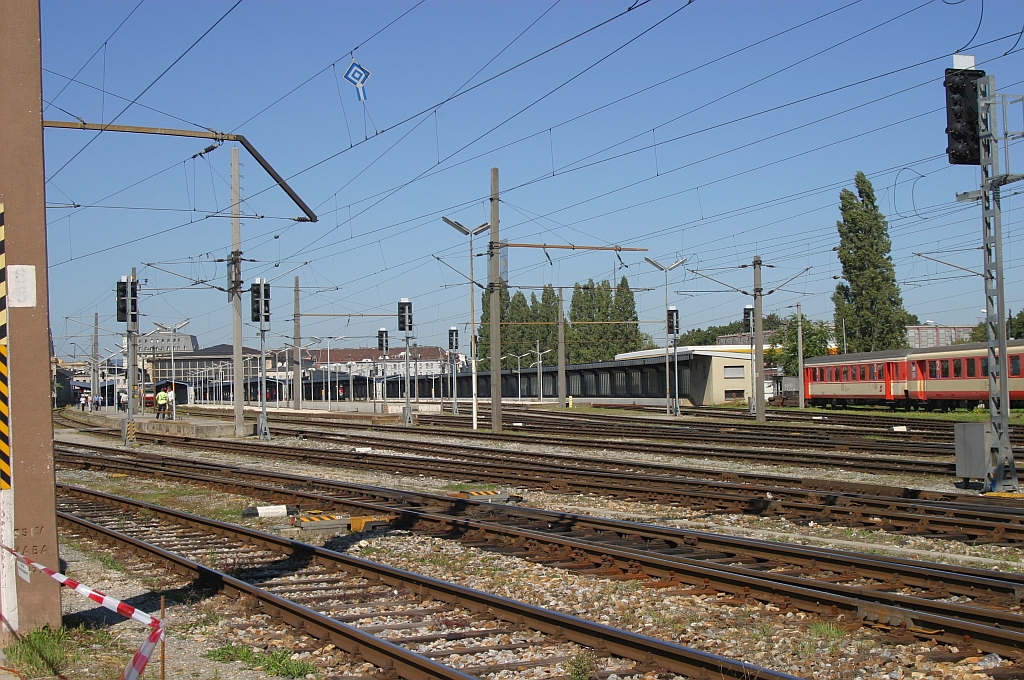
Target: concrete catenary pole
800, 350
472, 340
495, 289
296, 352
30, 498
540, 375
238, 383
95, 374
668, 381
758, 369
562, 387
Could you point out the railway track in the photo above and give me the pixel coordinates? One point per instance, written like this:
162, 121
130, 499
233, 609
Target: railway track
681, 433
391, 618
913, 598
843, 418
941, 517
571, 438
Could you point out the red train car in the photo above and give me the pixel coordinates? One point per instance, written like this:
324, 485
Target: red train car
954, 376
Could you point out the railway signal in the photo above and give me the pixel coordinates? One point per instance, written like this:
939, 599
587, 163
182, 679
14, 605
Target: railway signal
672, 329
453, 346
405, 325
128, 313
260, 301
405, 315
962, 116
127, 301
382, 340
973, 108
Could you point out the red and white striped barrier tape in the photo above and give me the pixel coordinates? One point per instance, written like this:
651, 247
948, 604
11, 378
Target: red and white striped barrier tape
141, 657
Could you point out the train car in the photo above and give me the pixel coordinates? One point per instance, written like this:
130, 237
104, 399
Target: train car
953, 376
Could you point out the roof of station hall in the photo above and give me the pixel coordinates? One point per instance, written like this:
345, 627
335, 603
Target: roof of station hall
341, 355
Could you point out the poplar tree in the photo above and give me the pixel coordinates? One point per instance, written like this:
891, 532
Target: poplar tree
483, 350
518, 336
546, 309
582, 307
868, 299
628, 337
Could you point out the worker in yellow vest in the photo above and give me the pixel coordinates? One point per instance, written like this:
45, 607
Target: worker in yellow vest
161, 404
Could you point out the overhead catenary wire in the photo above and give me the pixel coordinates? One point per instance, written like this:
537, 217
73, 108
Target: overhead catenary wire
146, 89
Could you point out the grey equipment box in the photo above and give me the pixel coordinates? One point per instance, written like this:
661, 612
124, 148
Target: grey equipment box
973, 450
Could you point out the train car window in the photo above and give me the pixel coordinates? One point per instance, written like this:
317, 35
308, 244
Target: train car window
958, 369
881, 372
871, 373
933, 369
863, 372
830, 374
971, 368
913, 371
1015, 365
846, 372
945, 368
984, 366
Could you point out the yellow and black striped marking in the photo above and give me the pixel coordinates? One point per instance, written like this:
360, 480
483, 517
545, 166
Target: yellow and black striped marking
5, 420
3, 280
320, 518
5, 382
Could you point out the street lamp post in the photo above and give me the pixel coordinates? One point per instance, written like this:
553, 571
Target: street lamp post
472, 303
519, 370
174, 386
540, 372
668, 388
330, 367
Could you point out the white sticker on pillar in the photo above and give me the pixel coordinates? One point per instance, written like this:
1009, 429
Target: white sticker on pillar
21, 285
23, 572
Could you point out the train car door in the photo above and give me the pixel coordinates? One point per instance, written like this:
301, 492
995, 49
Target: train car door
916, 374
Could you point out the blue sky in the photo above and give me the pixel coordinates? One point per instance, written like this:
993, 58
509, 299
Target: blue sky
711, 131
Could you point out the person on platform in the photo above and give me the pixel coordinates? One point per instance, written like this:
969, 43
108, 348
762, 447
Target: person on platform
161, 405
123, 406
170, 403
81, 401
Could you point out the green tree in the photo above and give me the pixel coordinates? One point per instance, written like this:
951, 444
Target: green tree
517, 337
484, 333
627, 336
1015, 325
868, 299
707, 336
545, 309
589, 341
979, 333
817, 336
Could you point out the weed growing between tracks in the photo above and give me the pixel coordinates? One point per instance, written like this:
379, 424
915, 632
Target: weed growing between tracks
272, 663
49, 652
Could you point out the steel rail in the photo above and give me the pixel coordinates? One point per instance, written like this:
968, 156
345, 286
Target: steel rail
917, 516
919, 615
632, 466
825, 436
625, 644
970, 583
1005, 523
132, 462
772, 456
377, 651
